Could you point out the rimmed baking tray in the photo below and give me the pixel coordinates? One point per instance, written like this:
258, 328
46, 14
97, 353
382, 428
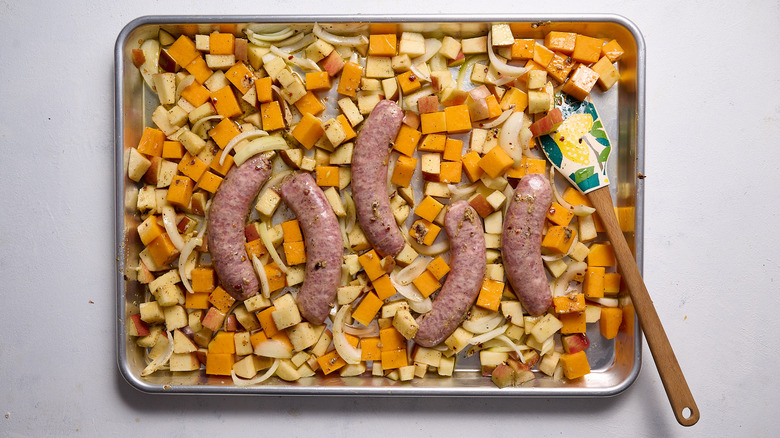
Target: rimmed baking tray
615, 364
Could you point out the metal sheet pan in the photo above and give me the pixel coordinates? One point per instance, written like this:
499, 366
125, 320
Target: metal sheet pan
615, 365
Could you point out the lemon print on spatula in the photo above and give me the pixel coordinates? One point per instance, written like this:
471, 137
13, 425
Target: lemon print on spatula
569, 138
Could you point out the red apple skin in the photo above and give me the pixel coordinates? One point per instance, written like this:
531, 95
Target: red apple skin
548, 123
478, 109
411, 119
138, 57
213, 319
251, 233
182, 223
457, 97
145, 276
503, 375
479, 93
232, 323
458, 60
167, 63
240, 49
428, 104
201, 354
484, 209
574, 343
137, 327
152, 173
332, 63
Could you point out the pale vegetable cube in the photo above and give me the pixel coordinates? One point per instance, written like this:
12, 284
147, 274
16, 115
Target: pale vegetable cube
318, 50
549, 362
390, 309
497, 183
529, 322
515, 332
501, 35
160, 118
379, 67
450, 47
406, 373
255, 55
579, 251
592, 314
300, 357
165, 173
474, 45
348, 294
412, 44
351, 111
256, 303
287, 371
308, 164
400, 209
538, 101
437, 190
478, 137
537, 79
458, 340
192, 142
302, 335
220, 62
405, 323
367, 84
513, 312
489, 358
493, 241
159, 347
587, 228
177, 117
151, 312
401, 63
216, 81
334, 131
495, 271
334, 198
268, 203
322, 344
175, 317
273, 65
345, 177
202, 42
296, 274
431, 165
242, 344
406, 256
407, 193
165, 83
184, 362
494, 223
146, 198
137, 165
390, 88
294, 92
194, 320
427, 356
245, 368
546, 327
479, 73
496, 199
556, 267
357, 239
305, 370
367, 101
352, 263
343, 154
186, 106
286, 313
250, 97
376, 369
420, 369
492, 255
446, 366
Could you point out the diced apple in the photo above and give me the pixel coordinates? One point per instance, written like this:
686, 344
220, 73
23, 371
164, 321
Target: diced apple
274, 348
303, 335
480, 204
136, 326
137, 165
292, 157
430, 164
441, 80
287, 371
405, 323
213, 319
545, 327
574, 343
180, 362
452, 96
548, 123
182, 343
332, 63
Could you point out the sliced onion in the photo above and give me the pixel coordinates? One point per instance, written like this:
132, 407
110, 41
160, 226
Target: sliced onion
349, 206
421, 307
162, 359
265, 288
484, 324
421, 76
432, 46
462, 192
291, 40
562, 284
509, 136
258, 146
304, 63
151, 65
344, 238
406, 275
277, 92
186, 82
185, 253
339, 40
263, 38
438, 63
501, 66
503, 80
270, 247
497, 121
237, 139
294, 44
508, 192
433, 250
476, 340
350, 354
200, 122
169, 220
466, 67
508, 342
408, 291
369, 330
249, 382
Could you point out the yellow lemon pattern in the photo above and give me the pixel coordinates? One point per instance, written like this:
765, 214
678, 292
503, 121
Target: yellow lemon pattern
568, 137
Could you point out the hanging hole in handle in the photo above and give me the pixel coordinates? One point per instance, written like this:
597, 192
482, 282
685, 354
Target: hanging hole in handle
687, 413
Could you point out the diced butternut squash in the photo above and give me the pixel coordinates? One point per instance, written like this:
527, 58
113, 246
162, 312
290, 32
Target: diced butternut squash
295, 252
452, 149
330, 362
267, 321
151, 142
172, 150
183, 50
264, 90
514, 98
383, 287
581, 82
607, 72
471, 166
308, 130
424, 232
256, 248
222, 43
403, 171
319, 80
191, 166
162, 250
195, 94
241, 77
291, 231
223, 132
203, 280
271, 116
349, 133
394, 359
438, 267
222, 343
559, 215
426, 283
382, 45
490, 294
180, 191
209, 182
223, 168
225, 102
367, 309
406, 140
601, 254
593, 286
559, 239
372, 264
569, 303
276, 278
450, 172
310, 103
523, 49
457, 119
198, 68
220, 299
611, 283
433, 122
612, 50
587, 49
369, 349
327, 176
219, 364
408, 82
433, 143
350, 79
560, 41
542, 55
495, 162
559, 67
610, 320
575, 365
494, 108
391, 339
149, 229
428, 209
196, 301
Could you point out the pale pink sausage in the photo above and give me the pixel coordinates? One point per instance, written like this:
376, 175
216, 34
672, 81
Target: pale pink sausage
467, 270
227, 219
521, 242
324, 246
369, 178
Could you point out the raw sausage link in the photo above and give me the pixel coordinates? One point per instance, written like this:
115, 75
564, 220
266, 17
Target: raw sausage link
467, 263
324, 246
227, 220
521, 242
369, 178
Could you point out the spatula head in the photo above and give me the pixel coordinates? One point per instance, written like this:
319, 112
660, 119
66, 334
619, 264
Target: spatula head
579, 148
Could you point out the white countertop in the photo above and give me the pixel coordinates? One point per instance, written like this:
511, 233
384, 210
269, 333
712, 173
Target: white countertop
710, 247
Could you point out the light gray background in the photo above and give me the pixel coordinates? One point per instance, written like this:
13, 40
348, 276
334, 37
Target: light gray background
711, 238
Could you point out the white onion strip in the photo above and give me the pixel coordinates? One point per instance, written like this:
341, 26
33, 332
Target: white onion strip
505, 340
249, 382
162, 359
421, 75
432, 46
369, 330
237, 139
349, 206
186, 82
484, 324
260, 145
406, 275
169, 220
562, 284
339, 40
294, 44
306, 64
500, 66
270, 247
497, 121
462, 192
476, 340
265, 288
421, 307
509, 136
350, 354
200, 122
185, 253
407, 291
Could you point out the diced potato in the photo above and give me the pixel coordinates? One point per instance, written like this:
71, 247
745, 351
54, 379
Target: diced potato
545, 327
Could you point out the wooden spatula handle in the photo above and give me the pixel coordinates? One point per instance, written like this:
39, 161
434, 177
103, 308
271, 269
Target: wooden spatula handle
672, 376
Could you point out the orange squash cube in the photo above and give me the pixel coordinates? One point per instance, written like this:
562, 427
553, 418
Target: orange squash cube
426, 283
225, 102
223, 342
198, 68
223, 168
560, 41
383, 287
450, 172
575, 197
542, 55
593, 286
601, 254
195, 93
494, 109
271, 116
162, 250
255, 248
220, 299
424, 232
151, 142
406, 140
318, 80
471, 166
438, 268
256, 338
327, 176
559, 215
391, 339
203, 280
291, 231
559, 67
514, 98
264, 90
433, 143
295, 252
581, 82
382, 45
266, 321
180, 191
191, 166
408, 82
394, 359
403, 171
330, 362
183, 50
428, 209
523, 48
349, 82
222, 43
569, 303
452, 149
559, 239
308, 130
219, 364
349, 133
371, 263
457, 119
367, 309
495, 162
209, 182
383, 28
276, 278
612, 50
575, 365
490, 294
433, 122
587, 49
369, 349
310, 103
241, 77
573, 322
609, 322
149, 229
611, 283
223, 132
196, 301
172, 150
